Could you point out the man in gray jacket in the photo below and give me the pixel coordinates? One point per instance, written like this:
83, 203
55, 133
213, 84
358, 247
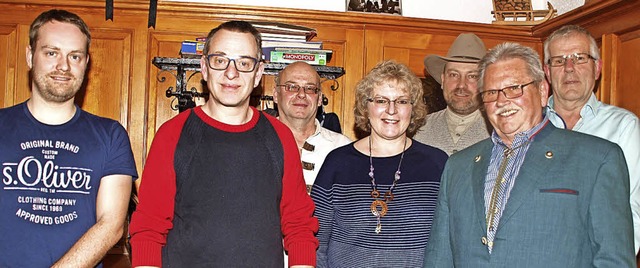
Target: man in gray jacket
461, 124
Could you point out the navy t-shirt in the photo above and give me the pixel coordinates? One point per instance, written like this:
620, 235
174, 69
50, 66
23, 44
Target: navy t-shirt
50, 178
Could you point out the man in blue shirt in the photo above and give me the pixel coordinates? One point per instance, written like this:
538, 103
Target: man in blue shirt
66, 174
572, 66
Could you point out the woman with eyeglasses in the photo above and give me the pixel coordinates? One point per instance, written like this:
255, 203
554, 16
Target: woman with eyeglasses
375, 198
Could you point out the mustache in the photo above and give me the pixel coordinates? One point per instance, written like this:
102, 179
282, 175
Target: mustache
504, 109
62, 74
460, 90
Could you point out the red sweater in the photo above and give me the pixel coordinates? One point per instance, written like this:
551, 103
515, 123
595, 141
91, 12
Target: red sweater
152, 220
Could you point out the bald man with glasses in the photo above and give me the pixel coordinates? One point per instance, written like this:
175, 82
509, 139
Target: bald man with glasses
298, 94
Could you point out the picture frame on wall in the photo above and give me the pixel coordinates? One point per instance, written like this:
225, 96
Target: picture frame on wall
375, 6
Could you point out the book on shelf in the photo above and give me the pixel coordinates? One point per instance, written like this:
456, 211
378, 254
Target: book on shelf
304, 50
313, 57
266, 51
268, 46
327, 52
282, 37
192, 48
292, 44
283, 28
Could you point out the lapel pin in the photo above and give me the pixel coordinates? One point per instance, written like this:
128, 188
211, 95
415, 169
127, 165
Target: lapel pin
549, 154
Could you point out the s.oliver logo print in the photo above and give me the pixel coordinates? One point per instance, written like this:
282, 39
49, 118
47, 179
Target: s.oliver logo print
45, 190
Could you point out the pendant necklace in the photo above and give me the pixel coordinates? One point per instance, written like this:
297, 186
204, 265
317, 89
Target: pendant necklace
379, 207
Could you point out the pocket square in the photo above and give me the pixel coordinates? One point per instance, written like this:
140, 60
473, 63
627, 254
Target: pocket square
560, 191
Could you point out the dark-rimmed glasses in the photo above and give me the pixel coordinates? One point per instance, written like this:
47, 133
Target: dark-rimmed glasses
382, 102
243, 64
576, 58
293, 88
510, 92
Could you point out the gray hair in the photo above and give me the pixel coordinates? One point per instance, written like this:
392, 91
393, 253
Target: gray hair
507, 51
566, 31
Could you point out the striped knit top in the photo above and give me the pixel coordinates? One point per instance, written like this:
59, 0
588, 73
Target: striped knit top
342, 194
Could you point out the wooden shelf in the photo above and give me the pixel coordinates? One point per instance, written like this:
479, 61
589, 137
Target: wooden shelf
167, 64
184, 68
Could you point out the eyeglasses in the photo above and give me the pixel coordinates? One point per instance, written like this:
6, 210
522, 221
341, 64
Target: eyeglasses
382, 102
221, 62
510, 92
308, 89
576, 58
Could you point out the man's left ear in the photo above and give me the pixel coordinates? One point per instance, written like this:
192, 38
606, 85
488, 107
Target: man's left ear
544, 92
547, 72
598, 68
29, 55
256, 80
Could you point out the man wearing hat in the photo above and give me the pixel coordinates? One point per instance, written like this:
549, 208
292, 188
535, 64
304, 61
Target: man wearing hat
461, 124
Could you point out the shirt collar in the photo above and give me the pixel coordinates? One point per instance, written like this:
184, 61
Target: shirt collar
588, 111
318, 127
457, 119
521, 137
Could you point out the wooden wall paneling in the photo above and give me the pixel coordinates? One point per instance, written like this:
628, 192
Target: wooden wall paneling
8, 35
628, 80
354, 62
609, 50
412, 47
409, 48
21, 86
346, 44
15, 21
138, 92
107, 89
373, 48
162, 108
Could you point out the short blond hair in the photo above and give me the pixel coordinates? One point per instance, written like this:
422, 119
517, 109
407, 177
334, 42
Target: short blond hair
390, 72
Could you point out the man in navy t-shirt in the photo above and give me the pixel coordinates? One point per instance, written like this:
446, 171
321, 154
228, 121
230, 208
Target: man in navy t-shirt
66, 174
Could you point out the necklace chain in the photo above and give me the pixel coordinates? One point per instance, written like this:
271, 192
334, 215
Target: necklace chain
388, 196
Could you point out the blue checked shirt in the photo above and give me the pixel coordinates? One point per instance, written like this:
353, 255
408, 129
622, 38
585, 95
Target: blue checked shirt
520, 146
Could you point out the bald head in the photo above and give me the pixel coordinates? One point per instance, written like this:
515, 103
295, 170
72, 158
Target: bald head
297, 94
297, 67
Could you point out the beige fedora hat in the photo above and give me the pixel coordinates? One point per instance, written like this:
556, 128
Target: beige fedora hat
467, 47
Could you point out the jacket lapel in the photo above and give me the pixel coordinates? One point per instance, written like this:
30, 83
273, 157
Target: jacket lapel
479, 173
533, 168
